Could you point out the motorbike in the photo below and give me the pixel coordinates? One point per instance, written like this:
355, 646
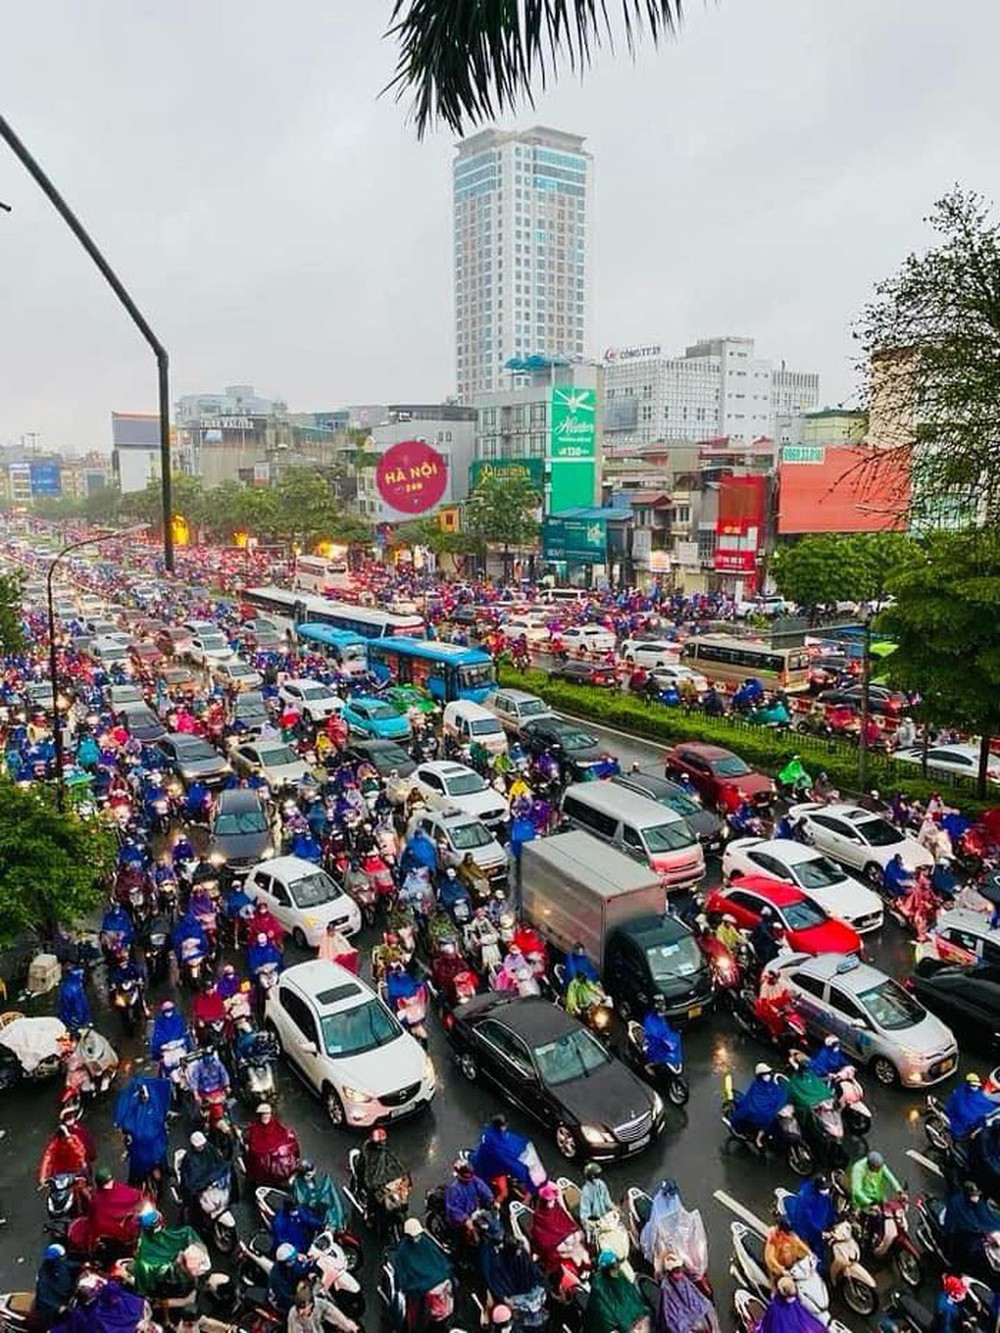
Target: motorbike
793, 1033
411, 1010
747, 1267
17, 1311
849, 1099
929, 1230
193, 961
784, 1136
359, 886
437, 1305
269, 1200
384, 1216
155, 944
853, 1282
256, 1069
335, 1282
62, 1197
669, 1077
127, 998
210, 1213
687, 1238
904, 1313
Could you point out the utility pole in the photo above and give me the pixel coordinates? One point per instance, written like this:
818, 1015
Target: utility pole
118, 287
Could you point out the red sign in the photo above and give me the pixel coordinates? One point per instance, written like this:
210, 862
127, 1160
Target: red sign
411, 477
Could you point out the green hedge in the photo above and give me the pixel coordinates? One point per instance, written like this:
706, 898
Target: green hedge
762, 747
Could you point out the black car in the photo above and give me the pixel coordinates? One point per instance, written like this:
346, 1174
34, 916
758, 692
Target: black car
386, 756
706, 825
250, 710
193, 759
580, 755
240, 834
554, 1069
141, 722
880, 700
657, 955
585, 673
966, 998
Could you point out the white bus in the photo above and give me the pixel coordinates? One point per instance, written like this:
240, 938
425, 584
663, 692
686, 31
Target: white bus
322, 574
289, 609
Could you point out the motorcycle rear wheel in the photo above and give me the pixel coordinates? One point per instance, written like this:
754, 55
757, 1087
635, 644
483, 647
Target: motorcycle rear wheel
859, 1296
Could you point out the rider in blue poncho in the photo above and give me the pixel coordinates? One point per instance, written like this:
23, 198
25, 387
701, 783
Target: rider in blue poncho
418, 852
261, 953
189, 938
756, 1110
579, 965
141, 1115
168, 1027
305, 847
811, 1211
292, 1225
897, 880
968, 1107
663, 1042
829, 1059
400, 985
74, 1007
500, 1152
117, 930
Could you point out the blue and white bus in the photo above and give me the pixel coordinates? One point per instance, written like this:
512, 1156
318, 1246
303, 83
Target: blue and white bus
446, 671
294, 608
346, 651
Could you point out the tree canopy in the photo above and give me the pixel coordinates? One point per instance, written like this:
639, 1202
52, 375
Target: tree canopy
473, 60
11, 630
946, 622
931, 341
51, 864
503, 510
828, 568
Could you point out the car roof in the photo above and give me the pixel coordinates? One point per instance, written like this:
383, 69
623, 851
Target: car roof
518, 696
184, 738
289, 867
531, 1017
446, 768
786, 849
238, 798
975, 922
706, 751
330, 987
307, 680
776, 890
847, 970
369, 744
840, 810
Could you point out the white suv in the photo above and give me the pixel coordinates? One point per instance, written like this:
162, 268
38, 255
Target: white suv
650, 653
314, 700
593, 638
347, 1047
446, 786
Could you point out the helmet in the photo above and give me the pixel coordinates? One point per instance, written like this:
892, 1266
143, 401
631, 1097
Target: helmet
264, 1108
729, 919
228, 970
763, 1068
285, 1253
198, 1140
390, 938
660, 1004
413, 1227
307, 1168
262, 937
148, 1215
167, 1007
875, 1161
974, 1080
501, 1314
102, 1176
54, 1251
831, 1040
378, 1135
970, 1189
955, 1288
823, 1184
592, 1170
606, 1258
464, 1169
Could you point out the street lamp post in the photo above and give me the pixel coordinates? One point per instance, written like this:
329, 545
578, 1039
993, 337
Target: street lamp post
57, 732
118, 287
865, 699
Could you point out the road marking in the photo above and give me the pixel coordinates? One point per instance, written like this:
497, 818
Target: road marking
734, 1206
925, 1162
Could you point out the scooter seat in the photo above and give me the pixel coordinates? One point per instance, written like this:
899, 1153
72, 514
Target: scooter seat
936, 1210
754, 1246
20, 1302
920, 1315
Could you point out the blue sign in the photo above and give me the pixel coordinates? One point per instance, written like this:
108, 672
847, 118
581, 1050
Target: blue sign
46, 480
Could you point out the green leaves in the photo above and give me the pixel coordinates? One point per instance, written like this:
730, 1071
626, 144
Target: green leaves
51, 864
11, 625
471, 60
857, 567
502, 509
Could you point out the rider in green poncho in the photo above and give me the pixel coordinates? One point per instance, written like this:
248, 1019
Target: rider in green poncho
806, 1090
794, 776
614, 1304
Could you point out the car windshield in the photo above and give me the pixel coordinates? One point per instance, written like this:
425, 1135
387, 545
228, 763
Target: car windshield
314, 890
466, 784
487, 726
276, 756
121, 694
576, 1054
667, 837
819, 873
193, 748
730, 767
466, 836
803, 915
316, 692
240, 669
243, 821
681, 804
354, 1031
385, 760
891, 1007
380, 710
879, 833
531, 708
577, 740
679, 958
213, 641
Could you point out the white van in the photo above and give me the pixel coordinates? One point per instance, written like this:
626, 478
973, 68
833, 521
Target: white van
639, 827
466, 722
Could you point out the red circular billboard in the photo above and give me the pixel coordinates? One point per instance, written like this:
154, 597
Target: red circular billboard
411, 477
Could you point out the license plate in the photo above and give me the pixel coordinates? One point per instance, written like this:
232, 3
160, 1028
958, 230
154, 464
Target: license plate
639, 1143
696, 1011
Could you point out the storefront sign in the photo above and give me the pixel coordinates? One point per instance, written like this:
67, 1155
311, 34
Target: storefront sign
572, 448
411, 477
531, 470
612, 355
803, 453
582, 539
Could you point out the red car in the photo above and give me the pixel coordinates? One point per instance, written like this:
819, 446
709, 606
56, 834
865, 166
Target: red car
145, 655
721, 778
808, 928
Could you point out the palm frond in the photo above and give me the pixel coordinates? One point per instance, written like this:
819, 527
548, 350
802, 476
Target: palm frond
470, 60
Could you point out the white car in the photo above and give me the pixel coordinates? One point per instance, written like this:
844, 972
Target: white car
314, 700
963, 937
838, 894
466, 836
238, 673
303, 898
650, 653
344, 1043
531, 628
859, 839
950, 759
673, 675
209, 649
591, 638
274, 761
446, 785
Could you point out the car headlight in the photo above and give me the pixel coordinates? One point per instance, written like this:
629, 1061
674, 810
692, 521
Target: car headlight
267, 852
657, 1105
355, 1096
596, 1137
217, 859
430, 1073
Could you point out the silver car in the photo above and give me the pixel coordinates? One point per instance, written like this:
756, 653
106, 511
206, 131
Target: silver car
879, 1024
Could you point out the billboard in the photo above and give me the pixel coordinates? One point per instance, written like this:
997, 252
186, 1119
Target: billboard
848, 489
582, 539
46, 480
572, 448
411, 477
523, 469
741, 524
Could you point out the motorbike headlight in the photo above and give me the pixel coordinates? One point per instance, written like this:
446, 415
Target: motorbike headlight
267, 852
355, 1096
217, 859
597, 1137
430, 1073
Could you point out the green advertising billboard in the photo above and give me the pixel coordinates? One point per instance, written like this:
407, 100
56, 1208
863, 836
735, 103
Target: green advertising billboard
572, 448
582, 539
523, 469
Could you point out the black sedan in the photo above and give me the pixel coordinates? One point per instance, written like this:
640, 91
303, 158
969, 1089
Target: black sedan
966, 998
555, 1070
585, 673
240, 835
385, 756
880, 700
707, 827
579, 754
193, 759
141, 722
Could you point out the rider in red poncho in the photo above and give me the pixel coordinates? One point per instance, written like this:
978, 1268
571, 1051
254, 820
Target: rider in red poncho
113, 1213
272, 1149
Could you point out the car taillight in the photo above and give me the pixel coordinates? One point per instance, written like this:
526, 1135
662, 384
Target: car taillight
907, 983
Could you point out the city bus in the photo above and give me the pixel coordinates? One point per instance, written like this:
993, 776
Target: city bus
320, 573
446, 671
722, 657
348, 652
293, 608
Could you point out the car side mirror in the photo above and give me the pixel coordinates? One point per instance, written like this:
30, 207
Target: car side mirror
308, 1047
859, 1024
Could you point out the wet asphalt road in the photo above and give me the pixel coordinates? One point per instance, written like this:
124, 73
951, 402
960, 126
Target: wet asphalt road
691, 1151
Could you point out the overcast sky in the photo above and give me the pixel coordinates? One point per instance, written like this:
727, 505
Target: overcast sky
280, 226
